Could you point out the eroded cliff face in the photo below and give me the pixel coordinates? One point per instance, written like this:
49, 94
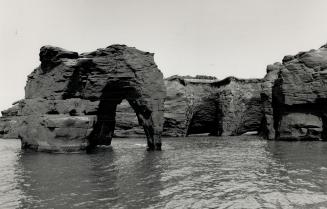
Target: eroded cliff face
268, 125
300, 96
191, 99
76, 101
205, 106
289, 103
239, 106
71, 99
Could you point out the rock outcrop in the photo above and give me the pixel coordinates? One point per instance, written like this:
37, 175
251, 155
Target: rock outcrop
300, 126
268, 126
300, 96
75, 101
289, 103
239, 106
71, 99
198, 105
188, 107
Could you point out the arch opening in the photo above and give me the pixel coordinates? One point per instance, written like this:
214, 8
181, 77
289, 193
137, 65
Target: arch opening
112, 95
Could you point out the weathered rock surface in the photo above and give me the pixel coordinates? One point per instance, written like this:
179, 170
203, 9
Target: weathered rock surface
268, 126
98, 91
9, 127
239, 106
127, 124
71, 99
73, 106
289, 103
56, 133
300, 96
300, 126
197, 106
187, 108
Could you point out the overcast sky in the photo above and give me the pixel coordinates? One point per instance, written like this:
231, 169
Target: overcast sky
211, 37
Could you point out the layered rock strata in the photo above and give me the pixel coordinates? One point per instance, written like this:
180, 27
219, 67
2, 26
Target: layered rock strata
289, 103
71, 99
203, 106
78, 100
189, 106
239, 106
300, 96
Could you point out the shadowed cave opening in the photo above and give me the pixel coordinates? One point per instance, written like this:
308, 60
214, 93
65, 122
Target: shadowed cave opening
211, 117
206, 118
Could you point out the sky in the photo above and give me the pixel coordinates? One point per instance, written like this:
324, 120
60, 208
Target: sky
189, 37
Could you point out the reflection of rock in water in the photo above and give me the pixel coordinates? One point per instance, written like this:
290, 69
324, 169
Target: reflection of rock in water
102, 179
59, 181
234, 172
301, 170
10, 192
141, 181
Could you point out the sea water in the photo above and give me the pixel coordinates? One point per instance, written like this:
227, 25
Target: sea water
192, 172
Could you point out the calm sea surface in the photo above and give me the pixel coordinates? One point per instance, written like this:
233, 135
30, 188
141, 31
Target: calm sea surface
194, 172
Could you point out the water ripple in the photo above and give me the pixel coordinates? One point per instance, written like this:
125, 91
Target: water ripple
230, 172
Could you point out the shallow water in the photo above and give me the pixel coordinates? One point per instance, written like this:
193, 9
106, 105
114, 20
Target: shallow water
203, 172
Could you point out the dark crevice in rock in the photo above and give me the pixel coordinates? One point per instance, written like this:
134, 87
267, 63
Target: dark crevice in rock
75, 86
204, 118
53, 112
230, 79
51, 57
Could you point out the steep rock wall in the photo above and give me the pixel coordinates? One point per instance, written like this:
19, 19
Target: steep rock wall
300, 96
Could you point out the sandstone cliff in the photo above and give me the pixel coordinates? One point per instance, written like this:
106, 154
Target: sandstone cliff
203, 106
287, 104
300, 96
239, 106
78, 100
71, 99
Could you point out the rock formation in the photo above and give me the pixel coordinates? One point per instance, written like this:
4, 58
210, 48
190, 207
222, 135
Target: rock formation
75, 101
71, 99
204, 106
239, 106
300, 96
268, 128
188, 109
287, 104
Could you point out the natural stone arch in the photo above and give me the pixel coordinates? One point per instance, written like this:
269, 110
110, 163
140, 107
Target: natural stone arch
85, 90
146, 111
